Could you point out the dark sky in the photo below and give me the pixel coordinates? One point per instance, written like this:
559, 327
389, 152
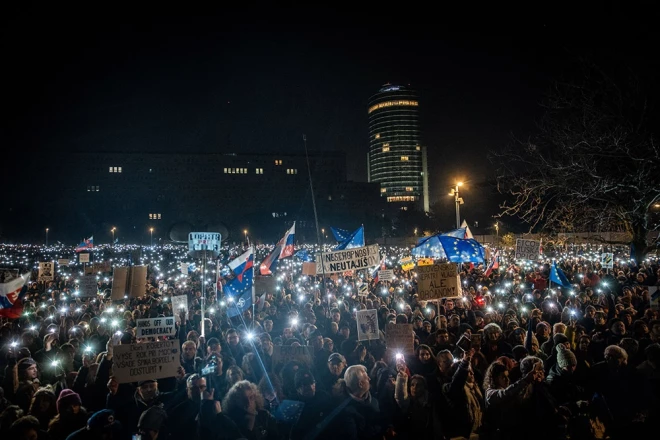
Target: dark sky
256, 80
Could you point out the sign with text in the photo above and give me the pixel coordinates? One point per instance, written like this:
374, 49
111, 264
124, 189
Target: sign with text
407, 263
425, 262
148, 360
46, 271
607, 261
438, 281
367, 325
154, 327
63, 262
309, 268
179, 303
399, 337
527, 249
349, 259
204, 241
385, 275
88, 287
83, 257
286, 353
102, 267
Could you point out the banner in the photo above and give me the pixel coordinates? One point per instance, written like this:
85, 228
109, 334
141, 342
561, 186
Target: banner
179, 302
407, 263
438, 281
367, 325
425, 262
88, 287
350, 259
527, 249
46, 271
148, 360
83, 257
399, 338
309, 269
154, 327
103, 267
385, 275
607, 261
286, 353
204, 241
183, 268
63, 262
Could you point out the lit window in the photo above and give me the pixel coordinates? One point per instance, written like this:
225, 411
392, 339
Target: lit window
402, 199
259, 170
292, 171
278, 162
115, 169
151, 216
386, 149
404, 158
158, 216
330, 198
119, 170
383, 190
418, 148
111, 170
377, 135
225, 169
244, 170
405, 103
409, 188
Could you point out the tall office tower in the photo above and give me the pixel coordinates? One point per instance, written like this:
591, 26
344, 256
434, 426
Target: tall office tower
396, 159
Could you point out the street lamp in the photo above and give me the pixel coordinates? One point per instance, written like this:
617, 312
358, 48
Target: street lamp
459, 201
151, 230
497, 232
245, 234
415, 232
113, 235
47, 229
323, 233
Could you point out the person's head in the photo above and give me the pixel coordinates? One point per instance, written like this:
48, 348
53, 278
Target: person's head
316, 340
336, 315
234, 374
583, 343
329, 344
600, 318
189, 350
630, 345
25, 428
43, 402
68, 403
418, 322
357, 380
444, 359
442, 336
148, 390
232, 337
151, 421
195, 385
559, 327
493, 332
424, 354
497, 376
454, 321
243, 397
213, 347
345, 331
532, 363
590, 312
619, 328
305, 384
542, 330
336, 364
268, 325
418, 387
615, 357
27, 369
566, 360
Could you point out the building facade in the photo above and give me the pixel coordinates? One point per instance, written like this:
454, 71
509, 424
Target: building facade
397, 160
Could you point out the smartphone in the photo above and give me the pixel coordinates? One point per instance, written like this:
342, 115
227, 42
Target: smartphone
476, 340
464, 343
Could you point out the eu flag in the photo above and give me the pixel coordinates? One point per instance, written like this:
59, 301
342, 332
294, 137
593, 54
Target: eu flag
456, 250
557, 276
239, 284
356, 239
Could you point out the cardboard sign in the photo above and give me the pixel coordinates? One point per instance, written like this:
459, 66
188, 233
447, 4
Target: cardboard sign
88, 287
83, 257
438, 281
95, 268
367, 325
407, 263
309, 269
363, 289
63, 262
46, 271
179, 302
607, 261
119, 283
385, 275
399, 337
148, 360
137, 287
527, 249
154, 327
286, 353
349, 259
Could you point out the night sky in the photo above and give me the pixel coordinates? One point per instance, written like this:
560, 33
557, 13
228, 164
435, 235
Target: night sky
251, 82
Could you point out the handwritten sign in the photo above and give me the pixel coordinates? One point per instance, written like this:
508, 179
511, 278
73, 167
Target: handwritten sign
88, 287
154, 327
179, 302
95, 268
286, 353
367, 324
83, 257
527, 249
438, 281
399, 337
349, 259
148, 360
385, 275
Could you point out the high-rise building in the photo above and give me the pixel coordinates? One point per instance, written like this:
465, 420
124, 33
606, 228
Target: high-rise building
397, 160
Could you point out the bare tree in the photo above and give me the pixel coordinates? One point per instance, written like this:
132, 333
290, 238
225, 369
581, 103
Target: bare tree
594, 166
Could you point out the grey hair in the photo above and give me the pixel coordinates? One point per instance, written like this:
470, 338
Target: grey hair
528, 363
620, 352
352, 378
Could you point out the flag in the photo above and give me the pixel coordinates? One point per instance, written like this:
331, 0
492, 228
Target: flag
381, 266
468, 233
494, 264
289, 411
11, 296
456, 233
456, 250
239, 284
86, 244
116, 240
557, 276
356, 239
303, 255
283, 249
341, 234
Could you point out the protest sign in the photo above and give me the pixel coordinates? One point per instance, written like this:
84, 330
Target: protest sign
367, 325
385, 275
88, 287
138, 282
407, 263
179, 302
607, 261
309, 268
83, 257
363, 289
438, 281
95, 268
527, 249
63, 262
349, 259
147, 360
46, 271
399, 337
119, 282
286, 353
425, 262
154, 327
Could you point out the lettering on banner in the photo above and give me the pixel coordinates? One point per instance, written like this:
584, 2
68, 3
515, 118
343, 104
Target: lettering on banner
148, 360
527, 249
438, 281
154, 327
350, 259
399, 338
385, 275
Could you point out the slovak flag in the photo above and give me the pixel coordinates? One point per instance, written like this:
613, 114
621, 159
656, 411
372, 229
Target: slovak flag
283, 249
381, 266
468, 233
88, 243
239, 283
494, 264
11, 296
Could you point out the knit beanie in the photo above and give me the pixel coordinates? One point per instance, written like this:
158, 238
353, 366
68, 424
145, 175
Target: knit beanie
559, 338
565, 357
67, 397
24, 364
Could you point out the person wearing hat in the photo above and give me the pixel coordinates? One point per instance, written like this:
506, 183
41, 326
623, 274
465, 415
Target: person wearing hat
71, 416
151, 423
317, 404
333, 372
561, 379
102, 425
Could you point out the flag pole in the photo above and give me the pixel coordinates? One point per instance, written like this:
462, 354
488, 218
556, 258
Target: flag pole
253, 288
203, 293
316, 217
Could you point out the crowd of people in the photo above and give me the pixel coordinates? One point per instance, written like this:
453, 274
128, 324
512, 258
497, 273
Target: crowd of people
511, 358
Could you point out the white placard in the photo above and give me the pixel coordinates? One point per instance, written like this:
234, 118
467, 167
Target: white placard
607, 261
46, 271
367, 325
527, 249
83, 257
179, 302
154, 327
349, 259
88, 286
148, 360
63, 262
204, 241
385, 275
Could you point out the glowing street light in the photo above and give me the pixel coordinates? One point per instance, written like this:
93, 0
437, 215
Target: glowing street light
113, 235
47, 229
245, 234
151, 230
459, 201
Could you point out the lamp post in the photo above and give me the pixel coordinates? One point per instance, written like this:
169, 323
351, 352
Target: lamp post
113, 235
245, 234
497, 232
459, 201
47, 229
151, 230
323, 233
